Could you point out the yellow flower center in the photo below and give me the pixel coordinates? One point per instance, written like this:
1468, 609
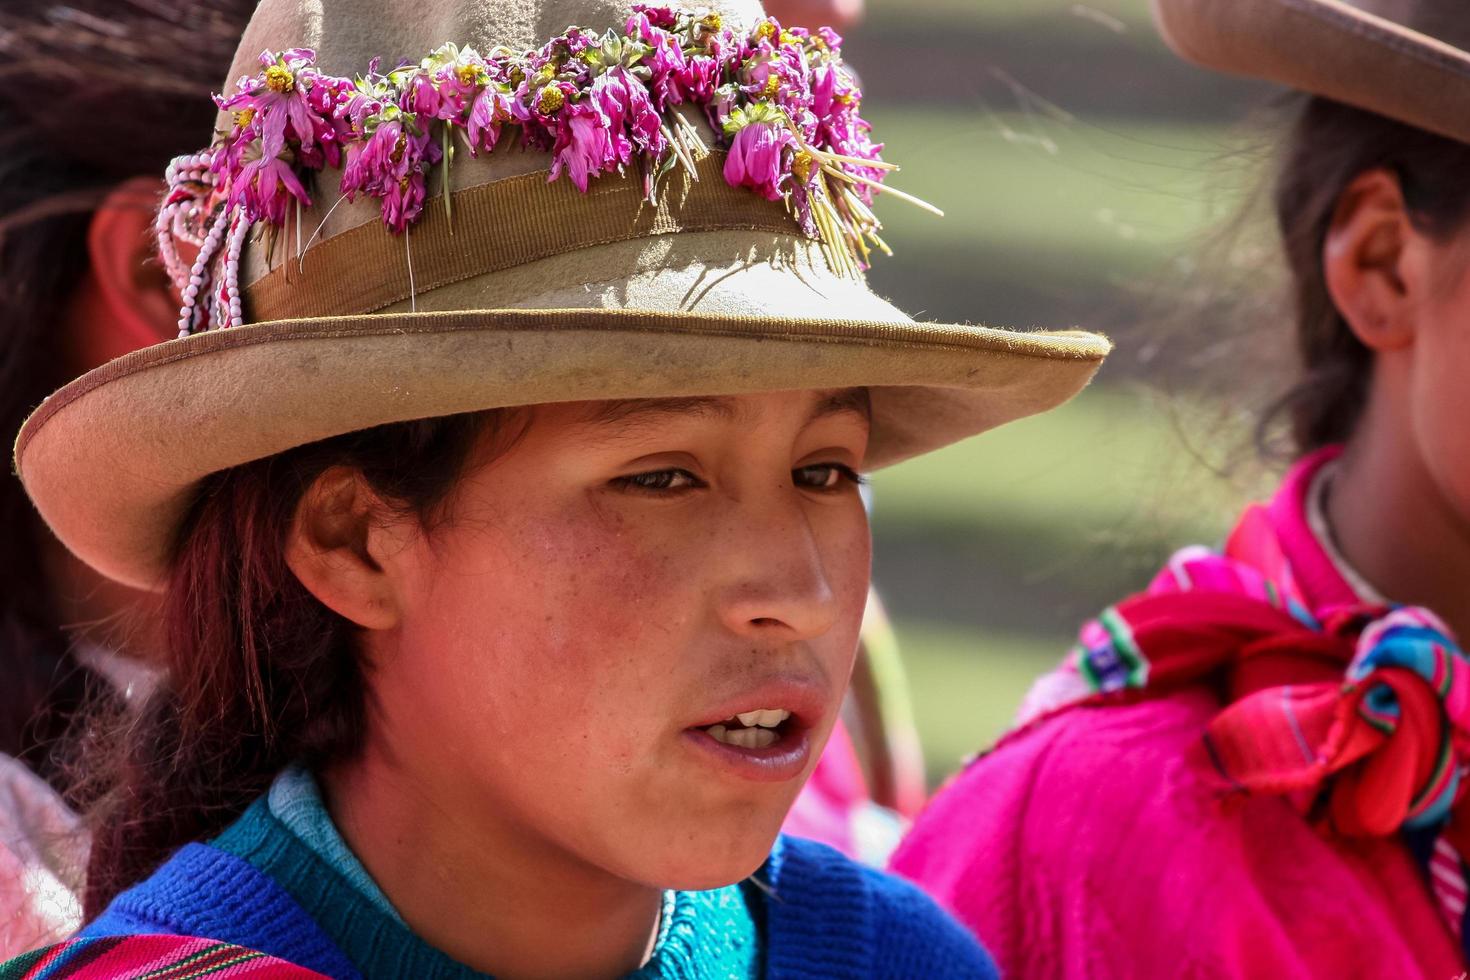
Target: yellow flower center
801, 166
517, 76
711, 22
765, 31
546, 74
845, 98
278, 79
773, 85
788, 38
470, 74
245, 117
551, 101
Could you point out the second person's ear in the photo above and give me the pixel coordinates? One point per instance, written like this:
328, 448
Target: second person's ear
126, 302
1377, 264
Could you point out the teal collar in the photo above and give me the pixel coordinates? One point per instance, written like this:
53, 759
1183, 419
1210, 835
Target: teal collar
289, 836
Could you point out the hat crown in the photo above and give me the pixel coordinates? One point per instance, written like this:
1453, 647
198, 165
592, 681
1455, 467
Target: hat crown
742, 71
348, 34
1446, 20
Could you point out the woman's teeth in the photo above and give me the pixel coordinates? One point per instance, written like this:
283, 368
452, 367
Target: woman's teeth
756, 729
765, 718
745, 738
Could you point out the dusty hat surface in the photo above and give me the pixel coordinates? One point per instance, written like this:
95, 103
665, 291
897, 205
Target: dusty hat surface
526, 291
1405, 59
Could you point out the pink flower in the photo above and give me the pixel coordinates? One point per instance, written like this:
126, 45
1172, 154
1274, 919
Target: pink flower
700, 77
826, 85
458, 77
370, 162
275, 101
647, 13
565, 47
778, 73
583, 147
403, 202
755, 158
632, 122
391, 165
264, 187
667, 67
421, 96
491, 109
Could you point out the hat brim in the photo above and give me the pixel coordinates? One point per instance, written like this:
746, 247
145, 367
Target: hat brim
1331, 49
111, 459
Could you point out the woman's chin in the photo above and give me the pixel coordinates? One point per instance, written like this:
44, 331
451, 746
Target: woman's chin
702, 861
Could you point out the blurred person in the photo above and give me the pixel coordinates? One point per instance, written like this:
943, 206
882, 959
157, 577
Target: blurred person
79, 288
1256, 766
490, 608
839, 15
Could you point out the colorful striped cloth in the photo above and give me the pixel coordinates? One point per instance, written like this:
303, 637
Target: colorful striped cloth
1357, 713
148, 958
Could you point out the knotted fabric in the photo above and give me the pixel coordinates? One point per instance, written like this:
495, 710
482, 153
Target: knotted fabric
1357, 713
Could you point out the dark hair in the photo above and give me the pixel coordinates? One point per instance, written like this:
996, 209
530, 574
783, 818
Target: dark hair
1330, 145
94, 92
260, 673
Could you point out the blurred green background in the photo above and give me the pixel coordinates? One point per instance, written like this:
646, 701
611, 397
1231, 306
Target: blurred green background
1089, 178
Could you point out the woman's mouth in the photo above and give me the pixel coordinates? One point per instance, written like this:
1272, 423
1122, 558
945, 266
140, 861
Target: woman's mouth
757, 729
764, 744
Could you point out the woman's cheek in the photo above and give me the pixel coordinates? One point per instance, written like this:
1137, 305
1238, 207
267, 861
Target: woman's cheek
849, 555
565, 616
1442, 399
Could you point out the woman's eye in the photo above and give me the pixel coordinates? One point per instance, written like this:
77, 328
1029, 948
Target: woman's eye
826, 476
659, 481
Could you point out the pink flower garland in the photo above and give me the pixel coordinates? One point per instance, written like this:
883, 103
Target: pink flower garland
785, 106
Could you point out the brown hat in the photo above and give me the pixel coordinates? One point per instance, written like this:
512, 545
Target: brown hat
1405, 59
526, 291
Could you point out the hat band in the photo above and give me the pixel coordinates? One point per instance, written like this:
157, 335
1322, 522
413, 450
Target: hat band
501, 225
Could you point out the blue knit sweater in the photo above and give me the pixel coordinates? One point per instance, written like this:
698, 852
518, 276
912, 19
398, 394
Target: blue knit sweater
259, 885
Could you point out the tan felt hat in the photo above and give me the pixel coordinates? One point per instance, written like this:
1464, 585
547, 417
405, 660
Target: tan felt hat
528, 292
1405, 59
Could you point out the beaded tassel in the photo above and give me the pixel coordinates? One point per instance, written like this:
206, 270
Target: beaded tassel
199, 276
188, 179
239, 230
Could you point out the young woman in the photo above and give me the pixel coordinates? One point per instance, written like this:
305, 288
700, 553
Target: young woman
75, 230
510, 542
1255, 767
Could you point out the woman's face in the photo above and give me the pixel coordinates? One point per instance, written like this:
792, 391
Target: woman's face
1439, 394
603, 598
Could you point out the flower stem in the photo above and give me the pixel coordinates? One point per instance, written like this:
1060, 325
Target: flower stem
448, 155
879, 186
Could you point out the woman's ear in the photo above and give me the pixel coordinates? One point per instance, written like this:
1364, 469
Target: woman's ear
336, 546
1376, 262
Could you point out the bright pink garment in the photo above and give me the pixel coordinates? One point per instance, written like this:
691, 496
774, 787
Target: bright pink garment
825, 809
1089, 845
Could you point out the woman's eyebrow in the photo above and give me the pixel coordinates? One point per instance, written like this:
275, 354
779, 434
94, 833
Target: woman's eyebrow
627, 415
855, 400
635, 413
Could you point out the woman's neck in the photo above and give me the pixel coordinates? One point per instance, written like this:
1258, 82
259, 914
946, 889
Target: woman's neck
1393, 524
492, 895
